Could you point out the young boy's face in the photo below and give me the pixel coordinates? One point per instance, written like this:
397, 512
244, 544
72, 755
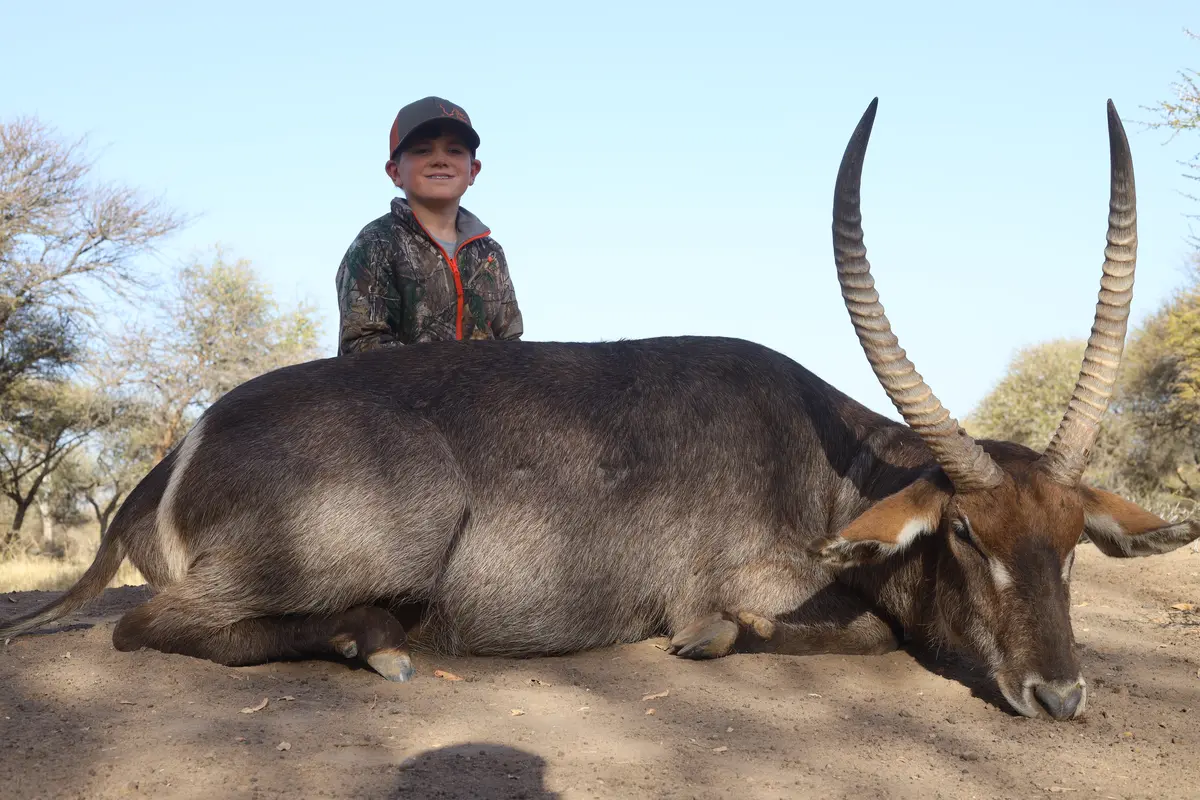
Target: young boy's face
436, 167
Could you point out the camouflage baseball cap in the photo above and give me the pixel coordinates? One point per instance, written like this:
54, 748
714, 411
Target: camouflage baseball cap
429, 109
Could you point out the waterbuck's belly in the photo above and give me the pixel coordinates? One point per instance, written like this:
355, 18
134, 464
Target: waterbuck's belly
526, 585
587, 571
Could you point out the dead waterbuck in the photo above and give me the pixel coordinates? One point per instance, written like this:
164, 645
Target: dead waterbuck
526, 498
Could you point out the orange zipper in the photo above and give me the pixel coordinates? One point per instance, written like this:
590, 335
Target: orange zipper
453, 262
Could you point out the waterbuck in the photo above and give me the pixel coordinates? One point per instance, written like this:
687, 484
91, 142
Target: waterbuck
534, 498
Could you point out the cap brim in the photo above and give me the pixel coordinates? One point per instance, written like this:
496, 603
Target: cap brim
470, 137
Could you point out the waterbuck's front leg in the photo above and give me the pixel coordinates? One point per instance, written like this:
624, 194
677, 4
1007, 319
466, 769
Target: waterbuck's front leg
865, 635
711, 636
835, 620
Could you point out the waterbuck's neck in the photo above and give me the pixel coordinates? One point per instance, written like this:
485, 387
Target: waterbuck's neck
885, 456
889, 457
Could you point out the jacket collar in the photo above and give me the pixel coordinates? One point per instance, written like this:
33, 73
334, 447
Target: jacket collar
469, 226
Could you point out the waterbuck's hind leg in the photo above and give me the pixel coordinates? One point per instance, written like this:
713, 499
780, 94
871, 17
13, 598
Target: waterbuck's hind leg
170, 624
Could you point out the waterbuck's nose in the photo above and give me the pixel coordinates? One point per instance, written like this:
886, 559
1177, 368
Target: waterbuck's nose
1061, 699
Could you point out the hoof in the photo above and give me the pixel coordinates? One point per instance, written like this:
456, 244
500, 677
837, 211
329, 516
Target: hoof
392, 664
710, 637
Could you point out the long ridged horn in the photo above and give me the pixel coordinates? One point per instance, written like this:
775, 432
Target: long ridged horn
1067, 455
964, 462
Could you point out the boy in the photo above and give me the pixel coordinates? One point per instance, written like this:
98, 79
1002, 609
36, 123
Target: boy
428, 269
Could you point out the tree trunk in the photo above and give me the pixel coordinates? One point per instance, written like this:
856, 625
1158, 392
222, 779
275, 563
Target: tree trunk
22, 503
14, 533
104, 515
101, 517
47, 523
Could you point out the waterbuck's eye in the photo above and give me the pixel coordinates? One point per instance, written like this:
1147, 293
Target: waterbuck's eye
962, 531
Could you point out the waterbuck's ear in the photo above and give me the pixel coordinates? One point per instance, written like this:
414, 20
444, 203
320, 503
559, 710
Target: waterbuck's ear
887, 527
1124, 530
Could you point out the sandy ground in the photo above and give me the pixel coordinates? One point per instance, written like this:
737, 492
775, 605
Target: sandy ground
82, 720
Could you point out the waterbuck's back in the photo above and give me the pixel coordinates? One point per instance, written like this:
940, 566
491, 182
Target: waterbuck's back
585, 482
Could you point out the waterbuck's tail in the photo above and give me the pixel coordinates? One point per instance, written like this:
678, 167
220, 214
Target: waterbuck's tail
103, 568
132, 531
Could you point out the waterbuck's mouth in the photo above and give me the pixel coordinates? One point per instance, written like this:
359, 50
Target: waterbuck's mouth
1037, 698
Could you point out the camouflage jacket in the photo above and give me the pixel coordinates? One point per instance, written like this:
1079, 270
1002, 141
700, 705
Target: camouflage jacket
396, 285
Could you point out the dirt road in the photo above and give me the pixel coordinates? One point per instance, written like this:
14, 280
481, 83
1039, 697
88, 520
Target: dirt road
82, 720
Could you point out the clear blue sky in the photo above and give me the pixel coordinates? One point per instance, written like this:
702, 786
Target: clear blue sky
655, 168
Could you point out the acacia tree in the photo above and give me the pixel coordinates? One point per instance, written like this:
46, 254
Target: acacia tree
219, 327
65, 241
45, 422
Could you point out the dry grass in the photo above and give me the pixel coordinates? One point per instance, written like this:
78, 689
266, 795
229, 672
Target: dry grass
76, 546
26, 573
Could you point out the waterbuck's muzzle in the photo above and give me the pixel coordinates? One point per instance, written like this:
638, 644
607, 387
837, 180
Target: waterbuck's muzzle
1061, 699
